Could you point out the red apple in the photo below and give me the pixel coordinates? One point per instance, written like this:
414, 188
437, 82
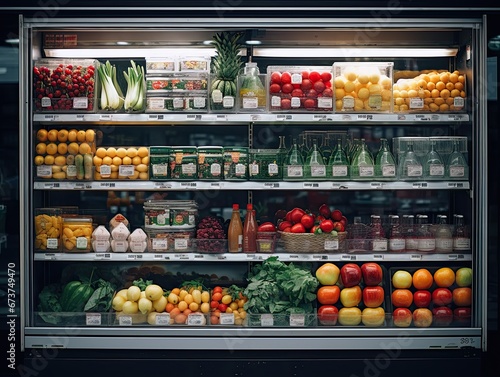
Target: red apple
442, 297
336, 215
373, 317
350, 274
422, 298
402, 317
442, 316
372, 273
324, 211
422, 317
462, 315
296, 215
350, 316
328, 315
351, 296
402, 279
344, 221
298, 228
284, 224
328, 274
373, 296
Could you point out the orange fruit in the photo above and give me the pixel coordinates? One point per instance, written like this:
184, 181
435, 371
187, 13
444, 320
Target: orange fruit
84, 148
80, 136
462, 296
73, 148
41, 135
402, 298
52, 135
41, 148
444, 277
51, 148
422, 279
62, 135
72, 135
142, 152
62, 148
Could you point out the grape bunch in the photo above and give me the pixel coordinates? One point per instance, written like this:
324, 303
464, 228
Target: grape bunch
210, 235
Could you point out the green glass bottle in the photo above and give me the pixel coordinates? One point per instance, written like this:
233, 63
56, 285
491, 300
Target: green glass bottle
385, 165
314, 168
362, 166
293, 168
338, 165
433, 164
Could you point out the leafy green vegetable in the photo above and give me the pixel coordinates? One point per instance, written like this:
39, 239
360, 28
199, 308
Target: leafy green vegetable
276, 287
141, 283
49, 303
102, 297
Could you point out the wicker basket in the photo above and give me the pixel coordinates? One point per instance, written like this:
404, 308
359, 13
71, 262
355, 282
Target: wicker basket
313, 243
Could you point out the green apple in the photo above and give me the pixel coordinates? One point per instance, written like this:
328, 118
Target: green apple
463, 277
402, 279
328, 274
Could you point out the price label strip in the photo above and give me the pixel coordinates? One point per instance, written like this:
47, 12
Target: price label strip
162, 319
93, 319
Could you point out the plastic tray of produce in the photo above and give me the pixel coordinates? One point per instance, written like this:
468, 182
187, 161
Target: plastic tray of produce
177, 84
300, 88
437, 91
363, 87
65, 85
121, 163
431, 296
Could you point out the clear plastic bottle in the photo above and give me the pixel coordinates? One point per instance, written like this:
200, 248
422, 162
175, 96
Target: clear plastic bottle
235, 231
378, 242
426, 240
385, 165
397, 241
315, 168
250, 231
357, 234
338, 165
411, 240
433, 164
362, 164
443, 235
457, 167
461, 237
409, 166
293, 168
325, 147
252, 94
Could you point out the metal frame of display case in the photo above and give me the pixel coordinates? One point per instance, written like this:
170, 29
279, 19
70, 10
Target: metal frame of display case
212, 337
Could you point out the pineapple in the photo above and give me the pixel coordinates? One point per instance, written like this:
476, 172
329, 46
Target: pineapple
226, 66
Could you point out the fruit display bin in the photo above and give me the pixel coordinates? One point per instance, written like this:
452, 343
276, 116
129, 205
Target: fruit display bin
313, 243
437, 91
65, 85
175, 241
431, 296
299, 88
182, 84
121, 163
363, 87
64, 154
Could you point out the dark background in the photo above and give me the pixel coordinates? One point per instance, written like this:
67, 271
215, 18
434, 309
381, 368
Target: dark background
9, 118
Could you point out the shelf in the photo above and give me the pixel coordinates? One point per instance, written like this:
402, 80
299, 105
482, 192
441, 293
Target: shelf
133, 119
249, 185
240, 257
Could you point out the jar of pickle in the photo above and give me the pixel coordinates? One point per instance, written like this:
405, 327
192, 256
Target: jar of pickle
48, 228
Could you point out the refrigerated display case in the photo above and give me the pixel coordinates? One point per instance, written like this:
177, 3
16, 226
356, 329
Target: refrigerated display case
412, 46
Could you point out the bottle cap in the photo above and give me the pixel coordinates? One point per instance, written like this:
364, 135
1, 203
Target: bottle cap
236, 207
249, 206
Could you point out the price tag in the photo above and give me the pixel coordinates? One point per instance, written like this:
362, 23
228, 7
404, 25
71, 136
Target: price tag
193, 116
297, 320
415, 257
221, 257
105, 117
188, 185
266, 320
80, 117
270, 185
346, 117
422, 117
376, 185
310, 185
222, 117
452, 256
216, 185
294, 256
332, 244
420, 185
226, 319
456, 184
319, 117
93, 319
162, 319
378, 257
125, 320
126, 170
132, 256
158, 256
52, 243
196, 319
182, 256
80, 103
162, 185
106, 184
44, 171
348, 257
102, 256
365, 117
281, 117
50, 256
199, 256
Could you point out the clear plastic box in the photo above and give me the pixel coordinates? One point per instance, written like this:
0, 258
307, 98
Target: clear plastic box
299, 88
363, 87
65, 85
121, 163
265, 165
48, 229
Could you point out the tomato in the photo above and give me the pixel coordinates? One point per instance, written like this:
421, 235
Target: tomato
306, 85
328, 315
311, 93
284, 224
286, 103
309, 103
217, 289
297, 93
328, 294
327, 92
276, 78
287, 88
326, 76
319, 219
326, 226
305, 75
314, 76
315, 229
307, 220
222, 307
217, 296
296, 215
298, 228
274, 88
319, 86
214, 304
267, 227
286, 78
336, 215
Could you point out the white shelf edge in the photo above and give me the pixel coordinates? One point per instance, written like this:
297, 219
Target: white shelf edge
250, 185
245, 118
240, 257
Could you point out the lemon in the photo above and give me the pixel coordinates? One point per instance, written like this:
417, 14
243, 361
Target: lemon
101, 152
142, 152
131, 152
111, 152
39, 160
121, 152
41, 135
